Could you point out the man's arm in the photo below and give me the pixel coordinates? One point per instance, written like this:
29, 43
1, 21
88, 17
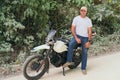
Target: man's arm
73, 28
89, 33
87, 45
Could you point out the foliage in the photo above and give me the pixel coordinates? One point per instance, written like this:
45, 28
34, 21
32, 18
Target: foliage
106, 17
102, 45
25, 23
81, 2
21, 20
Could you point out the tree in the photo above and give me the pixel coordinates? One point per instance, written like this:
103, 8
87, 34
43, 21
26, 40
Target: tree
23, 23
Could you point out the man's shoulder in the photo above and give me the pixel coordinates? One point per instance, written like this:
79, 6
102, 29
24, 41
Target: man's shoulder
88, 18
76, 17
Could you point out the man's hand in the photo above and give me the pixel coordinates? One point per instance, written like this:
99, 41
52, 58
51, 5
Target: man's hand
78, 40
87, 44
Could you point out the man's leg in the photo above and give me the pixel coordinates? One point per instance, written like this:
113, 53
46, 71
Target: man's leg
84, 55
71, 46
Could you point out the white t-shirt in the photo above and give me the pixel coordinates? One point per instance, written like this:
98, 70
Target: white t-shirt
82, 25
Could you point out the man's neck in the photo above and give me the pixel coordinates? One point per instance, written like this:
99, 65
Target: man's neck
82, 16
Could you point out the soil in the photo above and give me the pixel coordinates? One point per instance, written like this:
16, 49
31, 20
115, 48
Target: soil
99, 68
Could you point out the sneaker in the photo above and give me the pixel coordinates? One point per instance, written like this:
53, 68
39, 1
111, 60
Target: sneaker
84, 72
68, 64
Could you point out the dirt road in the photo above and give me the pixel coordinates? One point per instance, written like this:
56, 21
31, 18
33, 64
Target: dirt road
99, 68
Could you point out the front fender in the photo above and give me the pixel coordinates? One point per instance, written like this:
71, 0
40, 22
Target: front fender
44, 46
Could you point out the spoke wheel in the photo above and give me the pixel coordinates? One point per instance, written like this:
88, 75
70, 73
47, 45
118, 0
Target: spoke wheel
34, 67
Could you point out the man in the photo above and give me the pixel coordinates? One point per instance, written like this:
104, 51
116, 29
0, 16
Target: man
82, 33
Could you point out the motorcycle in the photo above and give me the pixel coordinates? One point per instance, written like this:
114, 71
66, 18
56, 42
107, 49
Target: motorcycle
54, 51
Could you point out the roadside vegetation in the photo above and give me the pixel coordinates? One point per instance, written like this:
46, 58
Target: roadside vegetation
25, 24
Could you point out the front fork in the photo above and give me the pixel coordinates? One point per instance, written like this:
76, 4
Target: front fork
46, 60
47, 65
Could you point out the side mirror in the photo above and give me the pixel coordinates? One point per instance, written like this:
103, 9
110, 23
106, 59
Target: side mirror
93, 33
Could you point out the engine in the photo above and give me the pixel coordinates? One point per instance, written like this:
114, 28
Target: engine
58, 59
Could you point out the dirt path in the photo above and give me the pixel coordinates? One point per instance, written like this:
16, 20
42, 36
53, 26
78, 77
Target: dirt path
99, 68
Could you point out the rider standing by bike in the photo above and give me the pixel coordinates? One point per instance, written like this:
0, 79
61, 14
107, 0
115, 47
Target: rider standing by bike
82, 33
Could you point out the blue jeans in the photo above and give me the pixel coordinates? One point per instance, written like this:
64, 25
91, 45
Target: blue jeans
72, 44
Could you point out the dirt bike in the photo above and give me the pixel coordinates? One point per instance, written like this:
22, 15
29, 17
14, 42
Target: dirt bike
54, 51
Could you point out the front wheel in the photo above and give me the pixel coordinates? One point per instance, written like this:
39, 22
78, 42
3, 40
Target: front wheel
35, 67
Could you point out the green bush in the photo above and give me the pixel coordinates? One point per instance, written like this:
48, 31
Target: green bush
24, 24
101, 45
105, 17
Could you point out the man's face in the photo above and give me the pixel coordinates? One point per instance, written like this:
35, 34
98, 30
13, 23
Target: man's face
83, 12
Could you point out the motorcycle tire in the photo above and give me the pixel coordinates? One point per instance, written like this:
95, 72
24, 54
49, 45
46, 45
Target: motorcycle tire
36, 65
76, 60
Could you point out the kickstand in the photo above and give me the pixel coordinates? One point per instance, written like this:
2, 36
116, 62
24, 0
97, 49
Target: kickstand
63, 71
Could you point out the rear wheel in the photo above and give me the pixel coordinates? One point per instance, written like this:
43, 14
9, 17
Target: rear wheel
77, 58
35, 67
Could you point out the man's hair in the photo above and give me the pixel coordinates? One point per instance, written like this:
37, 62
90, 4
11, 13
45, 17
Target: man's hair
83, 8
